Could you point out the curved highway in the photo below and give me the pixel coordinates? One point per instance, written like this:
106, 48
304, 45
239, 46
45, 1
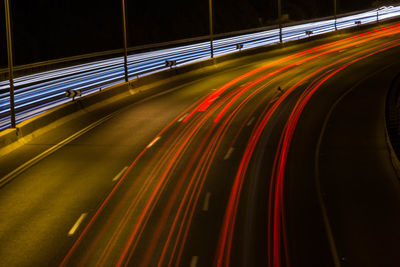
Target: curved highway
281, 161
42, 91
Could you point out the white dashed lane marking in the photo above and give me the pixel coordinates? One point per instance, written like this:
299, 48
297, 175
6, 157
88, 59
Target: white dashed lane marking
206, 201
154, 141
76, 225
193, 262
183, 117
251, 121
229, 153
120, 174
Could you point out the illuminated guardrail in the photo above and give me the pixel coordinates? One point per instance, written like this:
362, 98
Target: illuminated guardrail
38, 92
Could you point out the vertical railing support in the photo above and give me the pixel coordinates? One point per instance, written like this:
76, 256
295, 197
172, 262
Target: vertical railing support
335, 13
279, 19
125, 40
210, 9
10, 61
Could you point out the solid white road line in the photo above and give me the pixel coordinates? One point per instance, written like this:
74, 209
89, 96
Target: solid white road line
76, 225
229, 153
193, 262
206, 201
52, 149
251, 121
120, 174
154, 141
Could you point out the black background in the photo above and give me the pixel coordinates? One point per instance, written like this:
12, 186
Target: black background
48, 29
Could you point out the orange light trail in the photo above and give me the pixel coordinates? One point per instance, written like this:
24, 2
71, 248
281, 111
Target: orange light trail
157, 173
209, 100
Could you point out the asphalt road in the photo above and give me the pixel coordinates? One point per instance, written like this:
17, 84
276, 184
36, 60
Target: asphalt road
281, 161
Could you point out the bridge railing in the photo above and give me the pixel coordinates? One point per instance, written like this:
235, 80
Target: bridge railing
37, 92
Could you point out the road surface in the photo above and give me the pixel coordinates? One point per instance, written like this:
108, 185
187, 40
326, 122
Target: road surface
278, 162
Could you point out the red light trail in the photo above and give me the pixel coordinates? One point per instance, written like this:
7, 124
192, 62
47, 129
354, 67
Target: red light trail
177, 169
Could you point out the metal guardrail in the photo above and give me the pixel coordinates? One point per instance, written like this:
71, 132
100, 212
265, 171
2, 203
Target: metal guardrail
150, 47
38, 92
139, 48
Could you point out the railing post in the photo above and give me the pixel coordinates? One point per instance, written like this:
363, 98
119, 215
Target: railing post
279, 18
10, 62
335, 12
210, 9
125, 40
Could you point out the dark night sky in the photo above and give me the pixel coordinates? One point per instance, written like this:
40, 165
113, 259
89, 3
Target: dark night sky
46, 29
